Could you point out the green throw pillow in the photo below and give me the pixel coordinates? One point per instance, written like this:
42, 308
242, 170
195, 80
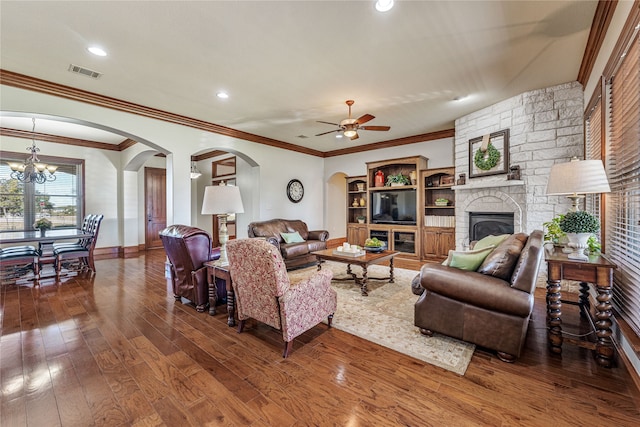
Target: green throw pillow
469, 260
490, 240
294, 237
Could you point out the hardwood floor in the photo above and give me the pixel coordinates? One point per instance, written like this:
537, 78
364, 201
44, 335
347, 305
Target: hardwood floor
117, 349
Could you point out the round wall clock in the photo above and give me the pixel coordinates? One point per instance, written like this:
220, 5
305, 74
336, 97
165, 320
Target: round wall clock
295, 190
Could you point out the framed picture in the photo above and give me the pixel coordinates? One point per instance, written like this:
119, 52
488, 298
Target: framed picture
446, 180
489, 154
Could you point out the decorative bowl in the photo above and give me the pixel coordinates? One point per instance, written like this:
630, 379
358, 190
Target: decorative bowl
374, 249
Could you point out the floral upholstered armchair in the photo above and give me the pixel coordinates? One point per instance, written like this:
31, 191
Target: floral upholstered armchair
263, 291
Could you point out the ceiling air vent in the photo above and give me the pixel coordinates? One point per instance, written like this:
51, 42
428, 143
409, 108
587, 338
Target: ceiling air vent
84, 71
303, 136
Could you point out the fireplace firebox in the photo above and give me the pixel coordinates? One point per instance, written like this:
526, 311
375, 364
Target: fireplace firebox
482, 224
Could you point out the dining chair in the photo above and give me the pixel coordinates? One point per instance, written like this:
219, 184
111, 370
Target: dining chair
85, 227
263, 291
82, 251
15, 261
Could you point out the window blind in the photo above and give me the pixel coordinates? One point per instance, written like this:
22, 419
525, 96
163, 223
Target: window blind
593, 151
623, 165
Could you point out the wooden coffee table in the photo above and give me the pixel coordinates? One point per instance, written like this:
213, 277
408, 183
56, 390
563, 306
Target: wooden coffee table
364, 261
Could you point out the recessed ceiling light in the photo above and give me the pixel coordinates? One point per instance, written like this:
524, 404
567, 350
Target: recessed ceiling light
384, 5
222, 95
460, 98
97, 51
339, 135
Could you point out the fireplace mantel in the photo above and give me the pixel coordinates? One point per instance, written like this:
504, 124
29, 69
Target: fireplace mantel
488, 184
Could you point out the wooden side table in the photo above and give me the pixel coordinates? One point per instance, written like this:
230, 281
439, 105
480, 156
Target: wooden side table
598, 271
216, 271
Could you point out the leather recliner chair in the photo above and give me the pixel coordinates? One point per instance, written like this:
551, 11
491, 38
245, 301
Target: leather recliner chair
188, 248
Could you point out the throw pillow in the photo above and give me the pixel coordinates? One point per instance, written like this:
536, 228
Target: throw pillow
468, 260
490, 240
294, 237
503, 259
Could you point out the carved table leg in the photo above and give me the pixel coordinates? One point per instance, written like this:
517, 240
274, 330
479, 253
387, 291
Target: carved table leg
213, 296
363, 282
604, 346
583, 301
231, 320
391, 270
554, 314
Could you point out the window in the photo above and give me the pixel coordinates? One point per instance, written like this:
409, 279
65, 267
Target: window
623, 166
61, 200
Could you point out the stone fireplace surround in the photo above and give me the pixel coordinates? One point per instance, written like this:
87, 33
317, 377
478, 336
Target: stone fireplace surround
499, 198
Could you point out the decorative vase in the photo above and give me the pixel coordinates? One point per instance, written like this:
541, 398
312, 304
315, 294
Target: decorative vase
379, 179
355, 203
43, 232
360, 186
361, 221
578, 242
413, 177
362, 202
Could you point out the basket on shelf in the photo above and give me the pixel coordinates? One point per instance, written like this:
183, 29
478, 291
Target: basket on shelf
441, 202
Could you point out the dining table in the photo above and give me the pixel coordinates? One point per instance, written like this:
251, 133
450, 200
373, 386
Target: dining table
45, 239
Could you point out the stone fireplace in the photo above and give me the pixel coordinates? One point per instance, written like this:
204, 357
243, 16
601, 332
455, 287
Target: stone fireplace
545, 127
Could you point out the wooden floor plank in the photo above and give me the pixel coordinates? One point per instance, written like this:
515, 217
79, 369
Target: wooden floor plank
117, 349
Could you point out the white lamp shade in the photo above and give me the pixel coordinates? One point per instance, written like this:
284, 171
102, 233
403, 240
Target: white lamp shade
578, 177
221, 200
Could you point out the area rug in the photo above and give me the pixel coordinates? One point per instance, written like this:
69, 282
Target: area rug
386, 316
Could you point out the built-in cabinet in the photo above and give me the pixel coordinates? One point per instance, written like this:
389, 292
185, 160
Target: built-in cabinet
357, 205
429, 232
438, 233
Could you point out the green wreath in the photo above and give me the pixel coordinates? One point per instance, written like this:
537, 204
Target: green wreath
487, 160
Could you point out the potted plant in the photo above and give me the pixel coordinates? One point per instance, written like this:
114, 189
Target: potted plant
553, 233
579, 226
361, 219
43, 224
397, 180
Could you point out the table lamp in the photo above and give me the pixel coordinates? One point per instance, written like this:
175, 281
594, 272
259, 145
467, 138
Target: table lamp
222, 200
577, 178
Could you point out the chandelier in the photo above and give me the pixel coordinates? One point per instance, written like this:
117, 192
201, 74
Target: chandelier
32, 170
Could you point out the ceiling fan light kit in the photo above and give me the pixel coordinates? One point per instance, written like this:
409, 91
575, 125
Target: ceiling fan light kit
349, 127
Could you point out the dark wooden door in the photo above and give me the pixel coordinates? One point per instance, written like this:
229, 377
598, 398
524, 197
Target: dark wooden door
155, 194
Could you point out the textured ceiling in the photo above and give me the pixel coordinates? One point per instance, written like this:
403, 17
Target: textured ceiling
287, 64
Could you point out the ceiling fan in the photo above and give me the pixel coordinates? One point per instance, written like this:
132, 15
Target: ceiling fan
349, 127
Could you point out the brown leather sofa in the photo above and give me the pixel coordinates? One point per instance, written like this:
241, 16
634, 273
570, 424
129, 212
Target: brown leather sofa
293, 254
489, 307
188, 248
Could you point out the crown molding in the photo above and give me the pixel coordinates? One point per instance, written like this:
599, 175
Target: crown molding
599, 26
446, 133
22, 81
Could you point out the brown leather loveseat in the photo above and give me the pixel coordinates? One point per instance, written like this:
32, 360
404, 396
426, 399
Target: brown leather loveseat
294, 254
489, 307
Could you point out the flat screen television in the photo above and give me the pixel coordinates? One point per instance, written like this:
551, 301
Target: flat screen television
394, 207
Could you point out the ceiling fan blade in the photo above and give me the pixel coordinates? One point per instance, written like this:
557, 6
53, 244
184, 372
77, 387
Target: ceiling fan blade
327, 123
354, 137
375, 127
365, 119
331, 131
